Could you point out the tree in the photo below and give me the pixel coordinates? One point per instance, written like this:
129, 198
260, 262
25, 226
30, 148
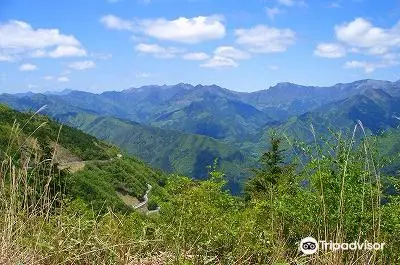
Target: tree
272, 170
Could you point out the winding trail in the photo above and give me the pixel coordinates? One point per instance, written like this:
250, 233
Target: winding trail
145, 197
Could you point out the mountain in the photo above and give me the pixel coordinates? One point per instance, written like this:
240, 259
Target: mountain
220, 118
287, 99
375, 108
173, 151
183, 128
207, 110
98, 173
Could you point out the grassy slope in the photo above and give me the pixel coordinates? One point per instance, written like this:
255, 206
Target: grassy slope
104, 173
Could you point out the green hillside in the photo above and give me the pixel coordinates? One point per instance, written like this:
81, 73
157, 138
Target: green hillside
104, 174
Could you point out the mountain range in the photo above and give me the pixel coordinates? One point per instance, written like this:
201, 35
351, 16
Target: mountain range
183, 128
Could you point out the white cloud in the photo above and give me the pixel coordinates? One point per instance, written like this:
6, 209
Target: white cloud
20, 38
31, 86
38, 53
18, 34
82, 65
48, 77
67, 51
225, 56
157, 50
113, 22
27, 67
219, 62
63, 79
272, 12
369, 67
184, 30
264, 39
273, 67
360, 33
196, 56
330, 50
231, 52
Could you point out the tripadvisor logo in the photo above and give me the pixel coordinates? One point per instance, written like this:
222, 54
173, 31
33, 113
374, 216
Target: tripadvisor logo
310, 245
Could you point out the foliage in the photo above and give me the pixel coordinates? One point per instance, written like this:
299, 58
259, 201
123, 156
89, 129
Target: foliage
337, 195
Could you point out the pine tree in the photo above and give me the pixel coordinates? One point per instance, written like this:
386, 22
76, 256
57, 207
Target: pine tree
272, 170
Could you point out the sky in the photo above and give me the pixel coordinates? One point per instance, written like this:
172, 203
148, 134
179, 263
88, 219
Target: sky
242, 45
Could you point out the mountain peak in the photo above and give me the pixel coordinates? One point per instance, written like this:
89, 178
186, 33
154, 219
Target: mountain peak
286, 85
65, 91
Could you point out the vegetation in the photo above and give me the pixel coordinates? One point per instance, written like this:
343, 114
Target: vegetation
30, 139
172, 151
335, 194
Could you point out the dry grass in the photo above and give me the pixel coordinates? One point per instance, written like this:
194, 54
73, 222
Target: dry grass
37, 228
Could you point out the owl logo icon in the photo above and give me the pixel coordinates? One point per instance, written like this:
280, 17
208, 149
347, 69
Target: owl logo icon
308, 245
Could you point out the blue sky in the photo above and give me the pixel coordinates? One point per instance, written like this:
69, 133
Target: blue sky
243, 45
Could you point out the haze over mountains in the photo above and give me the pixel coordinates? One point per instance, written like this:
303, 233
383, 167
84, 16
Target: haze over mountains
183, 128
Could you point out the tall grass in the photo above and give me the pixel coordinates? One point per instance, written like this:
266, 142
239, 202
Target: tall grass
40, 225
336, 196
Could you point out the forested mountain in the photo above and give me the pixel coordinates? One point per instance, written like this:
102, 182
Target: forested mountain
183, 128
170, 150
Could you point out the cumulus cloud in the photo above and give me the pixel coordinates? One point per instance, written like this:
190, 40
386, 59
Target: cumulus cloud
116, 23
63, 79
20, 38
219, 62
231, 52
330, 50
226, 56
67, 51
196, 56
184, 30
82, 65
360, 33
264, 39
27, 67
157, 50
370, 67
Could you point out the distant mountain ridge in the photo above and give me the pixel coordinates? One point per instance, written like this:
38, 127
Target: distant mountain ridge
217, 122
